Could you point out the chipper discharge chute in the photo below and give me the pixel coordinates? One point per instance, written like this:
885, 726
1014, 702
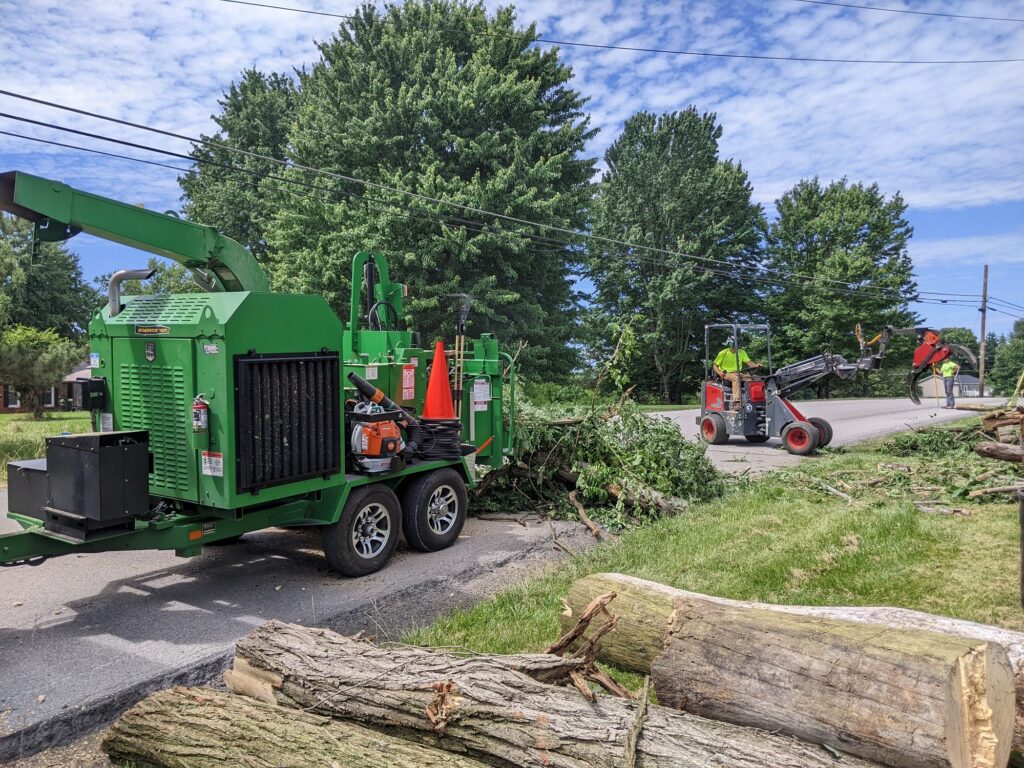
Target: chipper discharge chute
235, 409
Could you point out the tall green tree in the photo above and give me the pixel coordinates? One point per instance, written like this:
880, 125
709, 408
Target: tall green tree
439, 98
50, 294
226, 189
32, 361
666, 188
839, 252
1008, 365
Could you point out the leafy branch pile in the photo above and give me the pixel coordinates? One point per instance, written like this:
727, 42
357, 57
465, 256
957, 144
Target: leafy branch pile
625, 466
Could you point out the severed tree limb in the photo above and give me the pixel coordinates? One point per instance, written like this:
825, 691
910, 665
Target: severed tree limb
584, 516
638, 724
998, 489
204, 728
490, 711
595, 607
1001, 451
667, 505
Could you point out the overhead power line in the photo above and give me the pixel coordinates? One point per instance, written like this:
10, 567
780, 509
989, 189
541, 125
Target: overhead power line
375, 185
907, 10
469, 226
666, 51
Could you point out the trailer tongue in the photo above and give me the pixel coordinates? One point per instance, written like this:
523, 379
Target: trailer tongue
232, 410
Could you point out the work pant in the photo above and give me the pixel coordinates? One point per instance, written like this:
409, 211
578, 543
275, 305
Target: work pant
735, 377
948, 382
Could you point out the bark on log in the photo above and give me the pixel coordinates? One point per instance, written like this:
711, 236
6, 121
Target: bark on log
1001, 451
645, 608
910, 699
486, 707
204, 728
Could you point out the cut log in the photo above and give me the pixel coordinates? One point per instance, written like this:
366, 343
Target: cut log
644, 609
1001, 451
905, 698
486, 707
204, 728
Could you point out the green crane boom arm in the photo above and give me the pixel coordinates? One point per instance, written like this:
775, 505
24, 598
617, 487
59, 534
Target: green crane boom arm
60, 212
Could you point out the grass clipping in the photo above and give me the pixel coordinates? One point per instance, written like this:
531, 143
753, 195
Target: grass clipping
627, 467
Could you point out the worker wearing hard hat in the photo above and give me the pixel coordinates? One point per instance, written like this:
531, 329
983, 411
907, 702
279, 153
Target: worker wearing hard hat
729, 365
949, 370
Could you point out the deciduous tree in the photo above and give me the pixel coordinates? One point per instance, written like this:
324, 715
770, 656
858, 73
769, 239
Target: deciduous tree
439, 98
32, 361
839, 257
666, 188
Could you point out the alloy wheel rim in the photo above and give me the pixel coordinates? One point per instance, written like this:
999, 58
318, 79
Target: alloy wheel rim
371, 530
442, 509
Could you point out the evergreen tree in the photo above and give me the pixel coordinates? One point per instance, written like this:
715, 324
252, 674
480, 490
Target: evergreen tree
666, 188
1009, 362
228, 190
842, 248
49, 294
32, 361
438, 98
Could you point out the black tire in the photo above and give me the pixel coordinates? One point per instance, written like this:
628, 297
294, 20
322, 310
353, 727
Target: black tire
713, 430
757, 438
434, 510
365, 536
800, 438
824, 429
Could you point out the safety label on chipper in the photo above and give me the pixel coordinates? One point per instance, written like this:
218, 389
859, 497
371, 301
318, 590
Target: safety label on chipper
213, 464
408, 382
481, 394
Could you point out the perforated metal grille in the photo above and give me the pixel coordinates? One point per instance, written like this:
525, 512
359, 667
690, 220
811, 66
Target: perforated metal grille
164, 309
152, 397
288, 418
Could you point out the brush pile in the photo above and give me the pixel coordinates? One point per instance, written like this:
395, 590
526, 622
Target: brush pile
624, 465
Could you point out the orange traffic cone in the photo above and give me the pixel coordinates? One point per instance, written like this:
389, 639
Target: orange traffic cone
438, 403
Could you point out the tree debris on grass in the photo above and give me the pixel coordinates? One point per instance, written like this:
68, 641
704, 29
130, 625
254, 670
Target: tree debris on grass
623, 466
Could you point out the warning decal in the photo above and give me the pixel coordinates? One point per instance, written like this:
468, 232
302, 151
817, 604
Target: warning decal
213, 464
408, 382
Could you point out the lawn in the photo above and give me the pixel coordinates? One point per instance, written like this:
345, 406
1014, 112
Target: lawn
23, 438
785, 539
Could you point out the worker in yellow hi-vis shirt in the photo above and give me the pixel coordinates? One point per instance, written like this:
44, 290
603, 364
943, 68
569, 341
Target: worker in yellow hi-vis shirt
729, 365
949, 370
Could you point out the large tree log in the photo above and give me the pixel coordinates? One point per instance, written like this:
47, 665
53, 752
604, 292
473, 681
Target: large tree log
1001, 451
905, 698
204, 728
486, 706
645, 608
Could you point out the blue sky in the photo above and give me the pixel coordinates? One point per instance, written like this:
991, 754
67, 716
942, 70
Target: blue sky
949, 138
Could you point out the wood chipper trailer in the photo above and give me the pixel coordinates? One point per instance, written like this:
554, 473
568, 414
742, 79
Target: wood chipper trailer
236, 409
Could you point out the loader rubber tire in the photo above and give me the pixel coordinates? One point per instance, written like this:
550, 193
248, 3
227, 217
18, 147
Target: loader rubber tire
434, 509
800, 438
713, 429
824, 428
365, 536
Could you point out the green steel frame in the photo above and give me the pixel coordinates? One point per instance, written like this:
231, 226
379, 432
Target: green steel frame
185, 346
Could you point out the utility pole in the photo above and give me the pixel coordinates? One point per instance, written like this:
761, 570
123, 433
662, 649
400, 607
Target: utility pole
981, 346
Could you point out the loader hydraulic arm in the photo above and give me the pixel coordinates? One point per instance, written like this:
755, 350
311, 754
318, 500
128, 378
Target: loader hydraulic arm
59, 212
790, 379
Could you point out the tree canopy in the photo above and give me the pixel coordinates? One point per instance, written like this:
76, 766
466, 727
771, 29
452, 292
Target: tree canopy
32, 361
50, 294
838, 255
667, 189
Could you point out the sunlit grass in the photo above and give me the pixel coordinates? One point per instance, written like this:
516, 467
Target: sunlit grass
23, 438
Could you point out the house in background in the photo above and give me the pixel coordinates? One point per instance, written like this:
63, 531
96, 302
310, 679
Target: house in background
965, 386
58, 398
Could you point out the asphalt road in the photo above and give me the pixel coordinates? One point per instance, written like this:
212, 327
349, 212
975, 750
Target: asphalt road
84, 637
853, 421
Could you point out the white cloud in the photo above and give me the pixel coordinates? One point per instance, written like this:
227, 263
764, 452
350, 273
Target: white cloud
1004, 248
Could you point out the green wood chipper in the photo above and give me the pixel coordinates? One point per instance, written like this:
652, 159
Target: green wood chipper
239, 408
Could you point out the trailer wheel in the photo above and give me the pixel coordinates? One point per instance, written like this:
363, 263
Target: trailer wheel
434, 510
800, 438
758, 438
824, 429
365, 536
713, 429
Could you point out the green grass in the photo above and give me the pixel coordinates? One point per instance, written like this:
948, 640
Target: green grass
783, 539
23, 438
